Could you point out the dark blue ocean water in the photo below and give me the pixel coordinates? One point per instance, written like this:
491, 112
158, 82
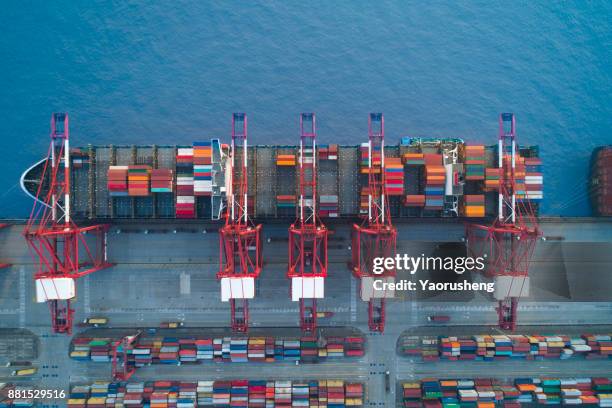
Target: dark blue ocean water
173, 72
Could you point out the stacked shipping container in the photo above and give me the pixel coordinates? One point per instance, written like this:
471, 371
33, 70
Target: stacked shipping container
175, 351
139, 178
365, 156
185, 200
117, 181
328, 152
435, 178
492, 179
474, 205
234, 393
520, 188
162, 180
286, 201
328, 205
533, 178
502, 347
474, 162
364, 201
414, 159
285, 160
202, 168
394, 176
488, 393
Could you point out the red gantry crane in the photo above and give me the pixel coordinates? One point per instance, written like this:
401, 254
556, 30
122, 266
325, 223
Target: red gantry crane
510, 241
376, 236
240, 240
122, 370
61, 250
307, 235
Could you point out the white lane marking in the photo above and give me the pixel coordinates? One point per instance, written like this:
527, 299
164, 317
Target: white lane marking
22, 297
87, 296
353, 299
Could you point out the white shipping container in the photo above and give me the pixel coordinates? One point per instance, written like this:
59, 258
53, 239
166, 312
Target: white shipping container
184, 151
185, 199
533, 179
581, 347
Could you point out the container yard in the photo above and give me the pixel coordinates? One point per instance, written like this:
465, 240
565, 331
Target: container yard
502, 347
234, 393
508, 393
213, 272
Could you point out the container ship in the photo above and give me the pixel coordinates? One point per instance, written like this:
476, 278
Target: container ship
600, 187
424, 177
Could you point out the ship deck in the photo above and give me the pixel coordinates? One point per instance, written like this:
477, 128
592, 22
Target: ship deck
91, 199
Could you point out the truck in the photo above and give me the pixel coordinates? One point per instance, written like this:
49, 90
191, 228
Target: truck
25, 371
170, 325
438, 318
94, 322
387, 381
18, 364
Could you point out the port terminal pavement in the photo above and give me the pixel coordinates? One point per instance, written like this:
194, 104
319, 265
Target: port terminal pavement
166, 271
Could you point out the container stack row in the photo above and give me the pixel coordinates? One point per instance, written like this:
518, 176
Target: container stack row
520, 188
413, 159
533, 178
79, 158
175, 351
435, 178
285, 160
489, 393
139, 180
328, 152
474, 162
492, 178
162, 180
117, 181
98, 350
474, 205
286, 201
364, 151
414, 200
328, 205
185, 200
202, 168
229, 393
364, 201
501, 347
394, 176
